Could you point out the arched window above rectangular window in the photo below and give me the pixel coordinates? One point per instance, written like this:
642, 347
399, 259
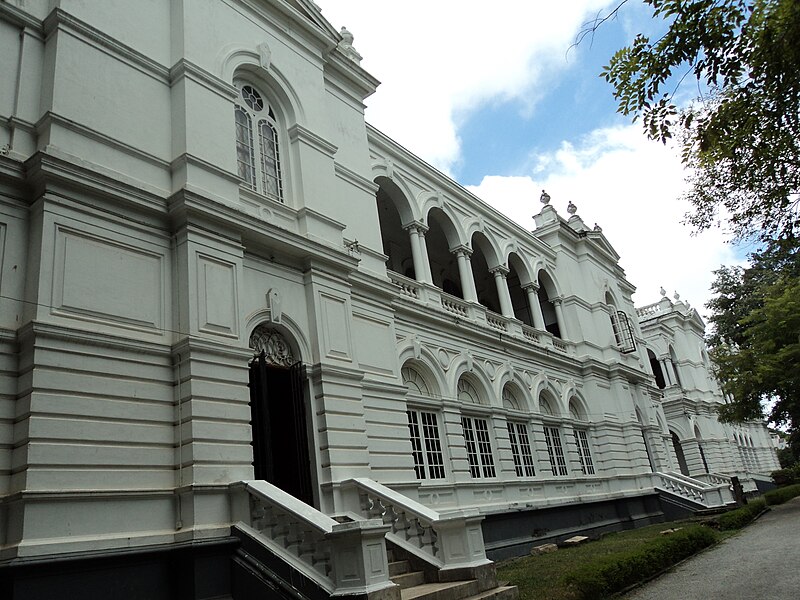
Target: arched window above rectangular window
258, 154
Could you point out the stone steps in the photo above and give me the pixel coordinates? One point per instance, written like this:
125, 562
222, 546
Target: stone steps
414, 587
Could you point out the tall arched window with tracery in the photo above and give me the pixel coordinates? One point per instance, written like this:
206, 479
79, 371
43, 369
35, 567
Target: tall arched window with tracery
258, 144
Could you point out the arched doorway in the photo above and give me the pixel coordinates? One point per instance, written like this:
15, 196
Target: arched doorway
278, 415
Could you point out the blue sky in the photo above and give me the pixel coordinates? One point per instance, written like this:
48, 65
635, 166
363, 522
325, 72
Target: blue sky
492, 94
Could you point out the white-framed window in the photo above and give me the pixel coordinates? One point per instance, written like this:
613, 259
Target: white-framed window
426, 445
582, 444
479, 446
258, 154
555, 451
521, 449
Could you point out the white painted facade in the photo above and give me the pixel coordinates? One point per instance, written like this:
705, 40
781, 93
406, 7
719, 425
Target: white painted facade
137, 263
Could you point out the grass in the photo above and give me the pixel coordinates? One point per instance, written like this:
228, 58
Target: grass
625, 557
543, 576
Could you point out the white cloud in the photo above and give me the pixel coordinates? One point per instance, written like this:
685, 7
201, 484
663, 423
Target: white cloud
629, 186
440, 59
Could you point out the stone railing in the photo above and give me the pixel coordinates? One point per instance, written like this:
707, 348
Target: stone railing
530, 334
714, 479
694, 490
341, 558
649, 310
455, 305
408, 287
559, 345
496, 321
447, 541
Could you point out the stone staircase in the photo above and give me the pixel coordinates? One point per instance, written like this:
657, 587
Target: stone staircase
420, 584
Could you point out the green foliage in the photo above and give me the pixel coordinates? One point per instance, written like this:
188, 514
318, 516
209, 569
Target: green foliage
786, 476
738, 518
756, 341
786, 457
741, 137
782, 495
609, 574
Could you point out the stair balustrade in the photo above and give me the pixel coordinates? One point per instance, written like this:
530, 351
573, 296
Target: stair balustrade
709, 495
449, 541
341, 558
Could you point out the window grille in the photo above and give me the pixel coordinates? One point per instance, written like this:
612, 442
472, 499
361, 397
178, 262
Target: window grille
555, 451
521, 449
479, 447
426, 447
582, 443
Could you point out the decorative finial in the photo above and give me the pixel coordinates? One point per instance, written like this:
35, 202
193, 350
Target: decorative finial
347, 37
597, 228
677, 296
346, 46
663, 292
571, 208
544, 198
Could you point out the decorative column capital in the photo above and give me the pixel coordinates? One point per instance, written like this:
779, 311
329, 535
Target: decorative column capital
462, 250
556, 300
501, 270
531, 287
416, 227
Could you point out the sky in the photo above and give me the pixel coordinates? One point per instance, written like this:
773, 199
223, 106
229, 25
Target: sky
497, 96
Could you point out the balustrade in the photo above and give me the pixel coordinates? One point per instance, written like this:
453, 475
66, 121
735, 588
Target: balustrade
447, 541
324, 550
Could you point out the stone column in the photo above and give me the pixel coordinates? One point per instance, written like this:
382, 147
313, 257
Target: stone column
500, 274
532, 289
562, 323
415, 232
465, 273
666, 371
424, 247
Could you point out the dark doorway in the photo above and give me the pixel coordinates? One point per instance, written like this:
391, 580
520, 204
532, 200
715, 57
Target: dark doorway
676, 443
278, 419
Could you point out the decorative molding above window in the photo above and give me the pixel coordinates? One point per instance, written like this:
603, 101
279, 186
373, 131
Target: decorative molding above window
467, 392
276, 349
414, 381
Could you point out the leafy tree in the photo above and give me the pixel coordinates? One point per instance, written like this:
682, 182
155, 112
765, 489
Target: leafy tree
756, 341
741, 138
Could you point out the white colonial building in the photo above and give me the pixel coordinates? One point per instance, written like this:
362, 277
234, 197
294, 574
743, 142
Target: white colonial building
248, 343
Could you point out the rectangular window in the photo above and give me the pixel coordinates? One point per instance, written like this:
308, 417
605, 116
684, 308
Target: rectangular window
555, 451
479, 447
426, 448
582, 443
521, 449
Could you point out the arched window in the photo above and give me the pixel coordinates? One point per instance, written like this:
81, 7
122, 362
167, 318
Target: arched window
257, 144
581, 434
552, 439
423, 429
518, 436
476, 434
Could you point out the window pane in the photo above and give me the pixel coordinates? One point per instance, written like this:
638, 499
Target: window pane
525, 447
416, 443
433, 447
484, 447
270, 160
244, 148
555, 451
472, 450
582, 443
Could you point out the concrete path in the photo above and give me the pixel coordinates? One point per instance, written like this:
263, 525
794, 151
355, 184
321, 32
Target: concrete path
762, 562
